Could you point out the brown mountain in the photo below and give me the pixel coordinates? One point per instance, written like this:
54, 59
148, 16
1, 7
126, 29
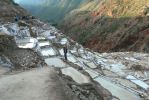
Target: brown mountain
110, 25
9, 9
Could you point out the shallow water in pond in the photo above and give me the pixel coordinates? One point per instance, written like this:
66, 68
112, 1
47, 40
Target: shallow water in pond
45, 43
48, 52
117, 91
57, 62
76, 75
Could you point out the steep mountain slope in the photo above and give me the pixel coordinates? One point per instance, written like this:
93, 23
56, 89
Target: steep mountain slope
8, 11
110, 25
50, 10
20, 51
85, 75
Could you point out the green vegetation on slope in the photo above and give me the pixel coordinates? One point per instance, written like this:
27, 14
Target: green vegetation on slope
51, 10
110, 25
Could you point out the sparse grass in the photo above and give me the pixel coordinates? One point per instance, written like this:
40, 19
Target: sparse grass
7, 43
146, 10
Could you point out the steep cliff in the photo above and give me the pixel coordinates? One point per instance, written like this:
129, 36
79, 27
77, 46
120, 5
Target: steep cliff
110, 25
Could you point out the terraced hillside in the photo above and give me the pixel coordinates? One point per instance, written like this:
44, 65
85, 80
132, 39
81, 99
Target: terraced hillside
33, 64
110, 25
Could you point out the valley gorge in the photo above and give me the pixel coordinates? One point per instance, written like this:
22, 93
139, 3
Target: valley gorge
74, 50
110, 25
52, 11
101, 25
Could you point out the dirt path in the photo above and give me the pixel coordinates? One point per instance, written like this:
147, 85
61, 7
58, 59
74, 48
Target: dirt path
37, 84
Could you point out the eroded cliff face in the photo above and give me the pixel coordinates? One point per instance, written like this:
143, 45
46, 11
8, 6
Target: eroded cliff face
110, 25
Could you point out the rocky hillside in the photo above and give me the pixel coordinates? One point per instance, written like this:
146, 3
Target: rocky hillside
31, 52
9, 11
110, 25
50, 10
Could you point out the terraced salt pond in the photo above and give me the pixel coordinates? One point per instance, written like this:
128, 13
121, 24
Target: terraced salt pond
92, 73
64, 41
48, 52
41, 38
26, 42
57, 62
61, 51
91, 65
26, 45
117, 91
51, 37
75, 75
72, 59
112, 65
44, 43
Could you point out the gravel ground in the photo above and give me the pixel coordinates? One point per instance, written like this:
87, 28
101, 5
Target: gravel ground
25, 59
36, 84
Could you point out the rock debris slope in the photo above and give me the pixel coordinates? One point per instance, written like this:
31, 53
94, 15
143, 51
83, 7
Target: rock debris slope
88, 75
